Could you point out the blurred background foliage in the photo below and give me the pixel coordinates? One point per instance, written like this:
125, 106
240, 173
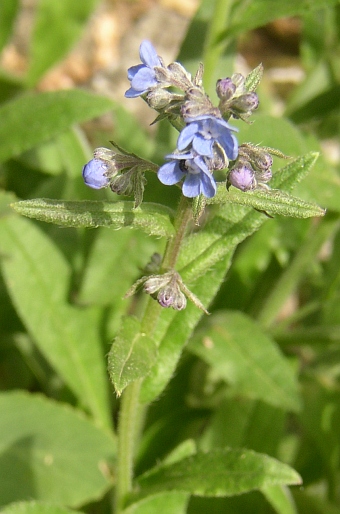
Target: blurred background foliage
62, 79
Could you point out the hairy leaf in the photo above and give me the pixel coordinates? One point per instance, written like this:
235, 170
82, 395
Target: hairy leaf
38, 280
154, 219
222, 472
243, 355
131, 356
37, 117
272, 202
35, 507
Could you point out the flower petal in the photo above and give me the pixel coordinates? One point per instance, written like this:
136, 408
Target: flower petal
203, 146
191, 186
144, 79
230, 145
186, 136
208, 185
148, 54
93, 174
131, 72
170, 173
132, 93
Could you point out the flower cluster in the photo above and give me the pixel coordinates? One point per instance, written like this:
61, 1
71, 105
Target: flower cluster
205, 144
206, 141
168, 289
252, 168
123, 172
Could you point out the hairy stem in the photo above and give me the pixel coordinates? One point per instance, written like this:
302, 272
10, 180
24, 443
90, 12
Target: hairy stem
132, 413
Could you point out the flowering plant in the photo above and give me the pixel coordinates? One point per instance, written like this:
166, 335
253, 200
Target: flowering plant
217, 304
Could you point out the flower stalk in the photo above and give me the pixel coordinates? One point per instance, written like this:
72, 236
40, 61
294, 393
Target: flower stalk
131, 411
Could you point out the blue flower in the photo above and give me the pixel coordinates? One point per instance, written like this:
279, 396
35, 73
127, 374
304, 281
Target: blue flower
202, 132
198, 179
143, 76
94, 174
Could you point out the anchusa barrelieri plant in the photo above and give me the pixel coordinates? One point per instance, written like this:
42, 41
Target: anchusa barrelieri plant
207, 143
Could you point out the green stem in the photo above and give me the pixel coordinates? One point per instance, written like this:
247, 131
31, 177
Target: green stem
126, 443
183, 216
213, 50
297, 268
132, 413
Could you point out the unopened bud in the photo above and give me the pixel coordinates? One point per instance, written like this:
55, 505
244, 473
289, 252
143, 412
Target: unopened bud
172, 296
95, 174
245, 104
225, 89
242, 177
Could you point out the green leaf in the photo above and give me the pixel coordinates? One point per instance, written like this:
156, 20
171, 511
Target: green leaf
166, 503
38, 280
34, 507
319, 107
280, 498
109, 273
273, 202
322, 184
222, 472
204, 260
249, 425
152, 218
131, 356
58, 25
34, 118
8, 12
50, 452
249, 15
247, 359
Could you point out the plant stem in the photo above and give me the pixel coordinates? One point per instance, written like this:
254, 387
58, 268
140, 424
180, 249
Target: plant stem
213, 49
183, 216
131, 413
126, 442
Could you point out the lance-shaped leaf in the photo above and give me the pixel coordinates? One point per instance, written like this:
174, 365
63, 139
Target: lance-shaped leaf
8, 12
38, 277
221, 472
166, 503
204, 260
152, 218
245, 357
131, 356
63, 22
51, 452
249, 15
31, 119
35, 507
272, 201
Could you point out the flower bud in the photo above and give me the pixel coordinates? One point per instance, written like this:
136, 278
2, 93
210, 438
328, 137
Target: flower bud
155, 282
225, 89
245, 104
95, 174
123, 184
197, 103
159, 98
242, 177
172, 296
